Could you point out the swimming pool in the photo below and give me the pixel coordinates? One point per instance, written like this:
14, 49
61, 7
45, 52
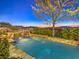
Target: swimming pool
44, 49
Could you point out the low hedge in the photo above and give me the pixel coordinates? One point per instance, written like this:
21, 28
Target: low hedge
66, 33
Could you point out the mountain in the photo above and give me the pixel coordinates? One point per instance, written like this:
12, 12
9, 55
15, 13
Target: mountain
3, 24
70, 26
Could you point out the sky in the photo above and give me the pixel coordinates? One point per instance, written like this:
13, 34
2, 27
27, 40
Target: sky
19, 12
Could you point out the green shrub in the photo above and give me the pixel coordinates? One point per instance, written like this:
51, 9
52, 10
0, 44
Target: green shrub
4, 49
42, 32
70, 33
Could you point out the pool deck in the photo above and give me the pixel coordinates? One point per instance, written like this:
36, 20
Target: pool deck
59, 40
15, 52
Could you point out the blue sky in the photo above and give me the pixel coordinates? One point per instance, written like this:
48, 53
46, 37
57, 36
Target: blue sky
19, 12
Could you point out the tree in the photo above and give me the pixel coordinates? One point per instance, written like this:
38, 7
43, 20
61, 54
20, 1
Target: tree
53, 10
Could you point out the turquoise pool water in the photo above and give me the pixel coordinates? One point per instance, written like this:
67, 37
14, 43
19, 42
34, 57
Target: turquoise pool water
43, 49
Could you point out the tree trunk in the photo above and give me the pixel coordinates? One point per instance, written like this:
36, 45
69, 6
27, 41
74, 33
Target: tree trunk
53, 30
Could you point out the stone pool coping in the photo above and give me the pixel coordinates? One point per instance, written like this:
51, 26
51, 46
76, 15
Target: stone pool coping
16, 52
59, 40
